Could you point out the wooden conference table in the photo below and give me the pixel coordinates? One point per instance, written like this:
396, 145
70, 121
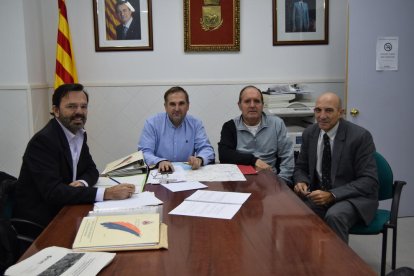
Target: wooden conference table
273, 233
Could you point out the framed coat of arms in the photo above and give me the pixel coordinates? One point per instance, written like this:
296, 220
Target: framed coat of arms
211, 25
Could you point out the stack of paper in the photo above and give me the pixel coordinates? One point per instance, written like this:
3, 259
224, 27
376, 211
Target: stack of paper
121, 232
136, 201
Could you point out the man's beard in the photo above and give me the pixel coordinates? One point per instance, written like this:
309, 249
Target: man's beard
66, 122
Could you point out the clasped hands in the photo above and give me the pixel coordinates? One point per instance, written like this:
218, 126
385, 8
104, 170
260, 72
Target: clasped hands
318, 197
167, 166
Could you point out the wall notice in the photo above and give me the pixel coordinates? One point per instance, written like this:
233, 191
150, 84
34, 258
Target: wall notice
387, 54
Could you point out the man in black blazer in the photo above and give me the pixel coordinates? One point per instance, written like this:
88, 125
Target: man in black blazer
351, 193
57, 167
130, 27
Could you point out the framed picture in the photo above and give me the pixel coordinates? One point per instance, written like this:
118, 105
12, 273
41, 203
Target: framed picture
211, 25
300, 22
122, 25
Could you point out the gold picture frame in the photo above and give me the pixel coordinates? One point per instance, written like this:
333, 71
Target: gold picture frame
211, 25
107, 26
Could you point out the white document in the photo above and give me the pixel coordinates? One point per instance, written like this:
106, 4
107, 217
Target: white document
184, 186
209, 173
137, 200
61, 261
219, 197
387, 54
216, 172
154, 177
211, 204
138, 180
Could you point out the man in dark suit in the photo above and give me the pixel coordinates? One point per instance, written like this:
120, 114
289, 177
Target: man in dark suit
57, 167
344, 189
130, 27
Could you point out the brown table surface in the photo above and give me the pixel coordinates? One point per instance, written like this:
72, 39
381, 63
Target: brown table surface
273, 233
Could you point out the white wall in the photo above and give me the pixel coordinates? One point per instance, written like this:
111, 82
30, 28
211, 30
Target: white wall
13, 67
257, 61
127, 87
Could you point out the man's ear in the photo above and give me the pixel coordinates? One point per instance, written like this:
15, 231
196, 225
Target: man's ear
56, 111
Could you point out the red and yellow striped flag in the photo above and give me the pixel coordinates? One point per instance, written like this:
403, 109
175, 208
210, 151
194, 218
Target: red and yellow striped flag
111, 21
65, 60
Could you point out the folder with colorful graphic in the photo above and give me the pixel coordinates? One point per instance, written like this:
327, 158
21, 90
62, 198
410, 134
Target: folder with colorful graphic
121, 233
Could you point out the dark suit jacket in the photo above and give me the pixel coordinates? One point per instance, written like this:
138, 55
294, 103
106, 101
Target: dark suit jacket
353, 171
134, 30
42, 188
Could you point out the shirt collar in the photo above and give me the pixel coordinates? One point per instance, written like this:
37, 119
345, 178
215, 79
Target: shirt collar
332, 132
128, 23
171, 123
69, 135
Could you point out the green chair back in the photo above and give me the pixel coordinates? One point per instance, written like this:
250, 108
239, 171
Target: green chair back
385, 177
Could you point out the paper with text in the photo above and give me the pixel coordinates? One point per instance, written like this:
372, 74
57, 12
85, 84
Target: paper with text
61, 261
138, 180
141, 199
211, 204
209, 173
184, 186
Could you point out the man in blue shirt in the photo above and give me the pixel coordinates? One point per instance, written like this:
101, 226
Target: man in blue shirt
174, 136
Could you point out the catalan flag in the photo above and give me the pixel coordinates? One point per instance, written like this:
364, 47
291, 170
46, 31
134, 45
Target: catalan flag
65, 60
111, 21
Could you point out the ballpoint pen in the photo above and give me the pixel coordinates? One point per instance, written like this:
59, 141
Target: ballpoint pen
117, 182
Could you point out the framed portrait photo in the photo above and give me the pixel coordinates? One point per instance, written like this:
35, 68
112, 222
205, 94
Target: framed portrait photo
122, 25
300, 22
211, 25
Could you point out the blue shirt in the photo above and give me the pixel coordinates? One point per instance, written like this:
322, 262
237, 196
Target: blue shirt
161, 140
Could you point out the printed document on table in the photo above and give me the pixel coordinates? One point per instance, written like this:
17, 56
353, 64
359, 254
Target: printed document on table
184, 186
61, 261
137, 200
215, 172
219, 197
138, 180
211, 204
154, 177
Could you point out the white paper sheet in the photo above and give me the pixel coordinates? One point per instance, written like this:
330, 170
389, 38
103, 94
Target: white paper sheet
216, 172
184, 186
137, 200
211, 204
387, 54
205, 209
61, 261
138, 180
219, 197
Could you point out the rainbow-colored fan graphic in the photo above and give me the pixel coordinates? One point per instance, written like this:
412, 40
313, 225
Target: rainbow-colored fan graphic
123, 226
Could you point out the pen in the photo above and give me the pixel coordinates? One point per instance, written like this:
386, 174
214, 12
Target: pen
114, 180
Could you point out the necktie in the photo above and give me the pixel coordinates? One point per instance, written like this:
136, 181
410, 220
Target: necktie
326, 163
124, 34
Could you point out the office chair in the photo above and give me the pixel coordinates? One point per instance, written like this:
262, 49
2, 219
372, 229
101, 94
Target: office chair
384, 219
24, 230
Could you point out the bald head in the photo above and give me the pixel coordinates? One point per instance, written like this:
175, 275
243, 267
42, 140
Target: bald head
328, 110
331, 97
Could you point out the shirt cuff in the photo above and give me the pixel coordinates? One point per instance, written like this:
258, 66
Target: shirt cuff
100, 195
202, 160
84, 182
